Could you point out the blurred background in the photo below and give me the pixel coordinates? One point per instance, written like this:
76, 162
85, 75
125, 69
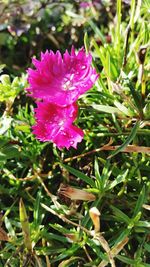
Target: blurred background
28, 27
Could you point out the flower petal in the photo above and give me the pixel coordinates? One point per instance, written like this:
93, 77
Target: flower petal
61, 80
54, 123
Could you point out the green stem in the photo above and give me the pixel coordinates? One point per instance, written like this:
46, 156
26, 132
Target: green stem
118, 29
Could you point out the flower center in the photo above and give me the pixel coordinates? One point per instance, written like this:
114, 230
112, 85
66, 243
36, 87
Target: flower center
67, 85
61, 123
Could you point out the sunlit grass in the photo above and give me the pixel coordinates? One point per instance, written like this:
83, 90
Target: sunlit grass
110, 168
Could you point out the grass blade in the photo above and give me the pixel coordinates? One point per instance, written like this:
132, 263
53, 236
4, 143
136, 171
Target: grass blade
107, 109
127, 141
80, 175
25, 225
139, 202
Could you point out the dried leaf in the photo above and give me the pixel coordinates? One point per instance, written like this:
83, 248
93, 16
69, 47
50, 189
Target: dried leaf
75, 194
3, 235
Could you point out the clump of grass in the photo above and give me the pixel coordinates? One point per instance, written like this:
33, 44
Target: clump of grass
90, 206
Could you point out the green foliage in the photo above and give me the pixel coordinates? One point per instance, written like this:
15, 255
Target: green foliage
9, 90
49, 228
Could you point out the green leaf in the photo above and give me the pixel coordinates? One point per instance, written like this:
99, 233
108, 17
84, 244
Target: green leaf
110, 67
97, 30
123, 109
23, 128
10, 228
36, 213
5, 123
118, 28
106, 109
10, 151
134, 220
96, 248
25, 225
100, 52
127, 141
122, 236
8, 90
147, 247
97, 173
136, 97
119, 179
105, 175
126, 260
86, 42
143, 224
67, 263
3, 142
51, 236
140, 201
80, 175
121, 215
67, 253
49, 250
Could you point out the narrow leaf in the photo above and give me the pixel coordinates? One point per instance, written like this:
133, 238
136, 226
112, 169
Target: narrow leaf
86, 42
127, 141
36, 214
121, 215
80, 175
136, 97
139, 202
119, 179
25, 225
107, 109
97, 31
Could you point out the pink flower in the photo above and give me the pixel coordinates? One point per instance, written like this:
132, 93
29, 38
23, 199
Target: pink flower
61, 80
84, 4
54, 123
96, 3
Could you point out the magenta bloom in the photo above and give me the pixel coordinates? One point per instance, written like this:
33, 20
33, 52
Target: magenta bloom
84, 4
54, 123
61, 79
57, 82
89, 4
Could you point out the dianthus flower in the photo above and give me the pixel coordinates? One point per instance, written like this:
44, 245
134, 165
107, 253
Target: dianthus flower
61, 79
54, 123
84, 4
